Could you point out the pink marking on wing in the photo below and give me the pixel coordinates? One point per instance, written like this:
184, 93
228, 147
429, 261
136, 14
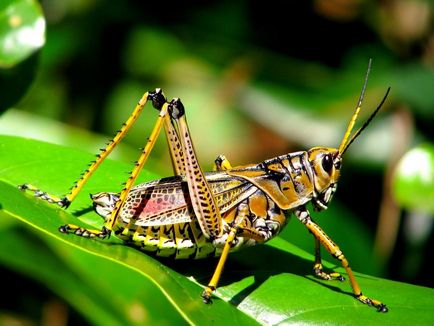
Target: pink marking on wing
160, 204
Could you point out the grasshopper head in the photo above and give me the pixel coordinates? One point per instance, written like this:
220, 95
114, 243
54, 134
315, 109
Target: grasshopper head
104, 203
326, 165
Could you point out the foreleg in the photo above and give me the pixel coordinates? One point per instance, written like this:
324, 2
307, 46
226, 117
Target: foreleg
304, 216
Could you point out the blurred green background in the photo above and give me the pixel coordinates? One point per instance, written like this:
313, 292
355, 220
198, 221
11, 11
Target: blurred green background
258, 80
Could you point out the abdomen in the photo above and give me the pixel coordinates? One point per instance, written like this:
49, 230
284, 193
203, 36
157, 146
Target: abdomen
159, 218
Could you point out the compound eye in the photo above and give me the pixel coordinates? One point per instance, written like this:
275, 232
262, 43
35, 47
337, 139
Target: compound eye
327, 163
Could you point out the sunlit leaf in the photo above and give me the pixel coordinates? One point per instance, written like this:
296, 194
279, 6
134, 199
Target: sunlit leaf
271, 283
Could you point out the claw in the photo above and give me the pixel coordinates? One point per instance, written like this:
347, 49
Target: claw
381, 307
206, 295
23, 186
318, 270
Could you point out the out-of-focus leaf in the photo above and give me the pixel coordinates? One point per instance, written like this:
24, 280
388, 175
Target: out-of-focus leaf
414, 179
414, 84
149, 51
22, 34
22, 30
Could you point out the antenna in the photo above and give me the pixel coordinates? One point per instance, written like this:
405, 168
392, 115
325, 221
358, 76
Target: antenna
367, 122
347, 141
343, 145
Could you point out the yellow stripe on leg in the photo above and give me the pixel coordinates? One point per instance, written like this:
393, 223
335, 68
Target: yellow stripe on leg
107, 150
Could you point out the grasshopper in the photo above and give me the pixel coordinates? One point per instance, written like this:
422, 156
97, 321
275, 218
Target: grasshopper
196, 215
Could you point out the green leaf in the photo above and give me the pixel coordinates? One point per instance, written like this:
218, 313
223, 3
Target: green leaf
50, 270
22, 30
22, 34
271, 283
414, 179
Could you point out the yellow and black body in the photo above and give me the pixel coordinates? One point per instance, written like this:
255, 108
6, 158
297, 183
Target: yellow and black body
158, 216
